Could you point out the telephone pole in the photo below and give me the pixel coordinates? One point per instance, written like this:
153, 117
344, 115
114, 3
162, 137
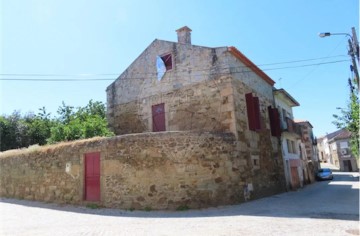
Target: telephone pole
354, 53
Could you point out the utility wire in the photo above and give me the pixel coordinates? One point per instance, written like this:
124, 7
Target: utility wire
304, 60
233, 70
316, 67
114, 74
70, 80
59, 75
315, 64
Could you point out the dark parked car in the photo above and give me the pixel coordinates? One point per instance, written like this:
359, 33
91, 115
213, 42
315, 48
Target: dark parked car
324, 174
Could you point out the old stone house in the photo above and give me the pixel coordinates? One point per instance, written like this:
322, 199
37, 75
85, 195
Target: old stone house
201, 89
178, 86
335, 148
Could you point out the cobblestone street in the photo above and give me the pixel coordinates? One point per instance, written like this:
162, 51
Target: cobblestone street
323, 208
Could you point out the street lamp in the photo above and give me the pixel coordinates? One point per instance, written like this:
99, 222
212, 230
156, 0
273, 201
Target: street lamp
353, 50
327, 34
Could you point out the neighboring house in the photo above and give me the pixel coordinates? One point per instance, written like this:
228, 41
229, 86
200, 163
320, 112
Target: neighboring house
177, 86
290, 139
335, 148
324, 149
311, 161
321, 141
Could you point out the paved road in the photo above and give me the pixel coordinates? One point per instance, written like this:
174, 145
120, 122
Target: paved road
323, 208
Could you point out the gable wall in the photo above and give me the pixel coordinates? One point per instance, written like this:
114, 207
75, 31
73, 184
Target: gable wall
196, 92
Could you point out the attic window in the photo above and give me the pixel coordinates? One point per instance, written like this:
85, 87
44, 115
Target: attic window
167, 59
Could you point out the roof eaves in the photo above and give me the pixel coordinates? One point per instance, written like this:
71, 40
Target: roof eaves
288, 96
234, 51
303, 122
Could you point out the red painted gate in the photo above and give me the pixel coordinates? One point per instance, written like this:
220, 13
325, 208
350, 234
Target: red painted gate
92, 176
158, 115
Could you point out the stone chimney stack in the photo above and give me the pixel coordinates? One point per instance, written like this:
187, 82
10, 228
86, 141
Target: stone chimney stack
184, 35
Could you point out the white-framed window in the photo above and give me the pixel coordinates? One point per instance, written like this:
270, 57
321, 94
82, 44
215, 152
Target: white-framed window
291, 146
344, 145
255, 161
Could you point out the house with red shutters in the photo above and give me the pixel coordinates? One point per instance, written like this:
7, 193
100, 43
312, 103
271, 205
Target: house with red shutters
179, 86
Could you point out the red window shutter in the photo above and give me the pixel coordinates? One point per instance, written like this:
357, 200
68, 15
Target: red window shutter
257, 113
277, 122
274, 121
250, 110
167, 61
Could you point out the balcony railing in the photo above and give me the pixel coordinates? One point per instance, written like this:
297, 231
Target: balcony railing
290, 126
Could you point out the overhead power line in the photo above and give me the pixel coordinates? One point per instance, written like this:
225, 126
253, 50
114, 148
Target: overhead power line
69, 80
60, 75
88, 77
315, 64
304, 60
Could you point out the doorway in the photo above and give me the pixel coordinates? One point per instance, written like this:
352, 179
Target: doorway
92, 176
158, 117
347, 166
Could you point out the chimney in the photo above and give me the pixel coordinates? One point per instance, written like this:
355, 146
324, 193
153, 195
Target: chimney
184, 35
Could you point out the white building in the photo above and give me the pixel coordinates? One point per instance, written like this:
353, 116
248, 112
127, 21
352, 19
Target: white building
292, 150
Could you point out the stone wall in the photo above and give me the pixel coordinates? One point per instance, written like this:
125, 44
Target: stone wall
150, 170
259, 147
206, 106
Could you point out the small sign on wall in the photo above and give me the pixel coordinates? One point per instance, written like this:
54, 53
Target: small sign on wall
68, 167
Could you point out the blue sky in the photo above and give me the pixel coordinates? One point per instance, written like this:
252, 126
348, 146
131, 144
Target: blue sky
85, 39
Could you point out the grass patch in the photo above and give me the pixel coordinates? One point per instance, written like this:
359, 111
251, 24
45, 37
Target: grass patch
92, 206
148, 208
26, 151
182, 208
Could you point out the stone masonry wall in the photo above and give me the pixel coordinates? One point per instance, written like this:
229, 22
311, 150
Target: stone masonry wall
149, 170
205, 106
259, 147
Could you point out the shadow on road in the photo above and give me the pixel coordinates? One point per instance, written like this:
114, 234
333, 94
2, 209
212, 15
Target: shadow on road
337, 199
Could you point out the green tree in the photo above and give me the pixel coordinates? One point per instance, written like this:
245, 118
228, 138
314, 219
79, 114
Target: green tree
39, 126
18, 131
349, 119
12, 131
80, 123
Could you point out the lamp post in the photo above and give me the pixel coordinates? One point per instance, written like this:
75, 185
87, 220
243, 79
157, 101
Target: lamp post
353, 50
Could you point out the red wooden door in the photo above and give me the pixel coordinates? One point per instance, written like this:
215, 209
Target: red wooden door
158, 115
295, 181
92, 176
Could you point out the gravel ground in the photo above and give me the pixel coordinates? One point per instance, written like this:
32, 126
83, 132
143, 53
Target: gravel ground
323, 208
